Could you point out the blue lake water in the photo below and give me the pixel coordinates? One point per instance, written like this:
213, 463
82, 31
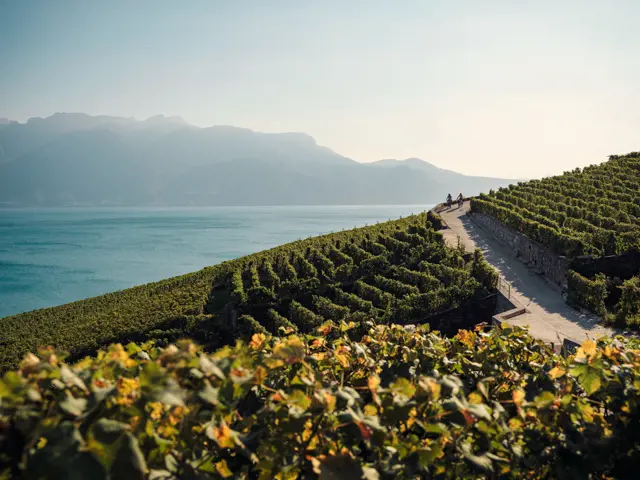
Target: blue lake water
54, 256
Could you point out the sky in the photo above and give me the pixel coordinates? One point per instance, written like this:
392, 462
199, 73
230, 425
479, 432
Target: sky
497, 88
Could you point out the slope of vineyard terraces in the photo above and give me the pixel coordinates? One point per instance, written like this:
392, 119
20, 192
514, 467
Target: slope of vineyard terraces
550, 318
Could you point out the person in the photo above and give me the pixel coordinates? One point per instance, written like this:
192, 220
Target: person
460, 199
449, 200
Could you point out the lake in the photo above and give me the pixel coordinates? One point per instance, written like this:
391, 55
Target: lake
53, 256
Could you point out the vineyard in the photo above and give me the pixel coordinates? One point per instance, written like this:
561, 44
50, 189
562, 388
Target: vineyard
347, 401
407, 275
398, 270
591, 211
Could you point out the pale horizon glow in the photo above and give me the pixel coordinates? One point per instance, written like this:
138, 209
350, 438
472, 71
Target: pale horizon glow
484, 88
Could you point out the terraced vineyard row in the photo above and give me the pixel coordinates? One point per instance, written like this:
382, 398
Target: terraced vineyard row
404, 275
590, 211
399, 268
594, 210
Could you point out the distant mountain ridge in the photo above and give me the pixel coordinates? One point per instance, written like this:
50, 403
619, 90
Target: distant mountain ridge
78, 159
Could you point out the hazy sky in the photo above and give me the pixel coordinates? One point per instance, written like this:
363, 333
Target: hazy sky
504, 88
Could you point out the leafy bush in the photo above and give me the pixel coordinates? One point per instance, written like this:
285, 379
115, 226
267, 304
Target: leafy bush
247, 326
587, 293
303, 318
390, 404
395, 287
353, 302
329, 310
379, 298
272, 280
238, 294
628, 308
279, 324
254, 276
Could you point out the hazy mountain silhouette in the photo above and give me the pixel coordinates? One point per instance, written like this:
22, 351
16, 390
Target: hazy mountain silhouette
77, 159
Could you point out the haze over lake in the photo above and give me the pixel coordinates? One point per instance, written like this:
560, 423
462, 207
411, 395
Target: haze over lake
53, 256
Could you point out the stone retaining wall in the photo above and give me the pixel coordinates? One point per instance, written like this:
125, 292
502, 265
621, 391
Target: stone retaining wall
465, 317
544, 261
623, 266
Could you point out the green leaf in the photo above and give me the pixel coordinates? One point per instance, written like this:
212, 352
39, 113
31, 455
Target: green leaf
480, 410
62, 457
544, 399
403, 387
479, 462
132, 348
590, 381
426, 456
105, 438
10, 384
209, 394
370, 473
152, 375
129, 463
108, 431
438, 428
298, 402
588, 377
70, 378
73, 406
340, 467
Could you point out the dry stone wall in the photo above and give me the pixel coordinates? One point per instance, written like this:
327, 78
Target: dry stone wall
543, 260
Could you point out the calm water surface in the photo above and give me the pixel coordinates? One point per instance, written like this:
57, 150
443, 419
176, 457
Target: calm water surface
49, 257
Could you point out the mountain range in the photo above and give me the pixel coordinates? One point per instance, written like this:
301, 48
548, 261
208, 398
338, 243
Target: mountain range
82, 160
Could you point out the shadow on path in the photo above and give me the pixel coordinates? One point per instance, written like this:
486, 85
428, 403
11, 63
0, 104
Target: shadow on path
531, 290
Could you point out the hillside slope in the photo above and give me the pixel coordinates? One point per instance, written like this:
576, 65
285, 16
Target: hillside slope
399, 269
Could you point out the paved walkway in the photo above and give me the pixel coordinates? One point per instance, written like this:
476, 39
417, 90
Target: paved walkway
549, 318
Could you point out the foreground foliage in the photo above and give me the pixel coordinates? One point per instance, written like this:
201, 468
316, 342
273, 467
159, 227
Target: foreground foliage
352, 401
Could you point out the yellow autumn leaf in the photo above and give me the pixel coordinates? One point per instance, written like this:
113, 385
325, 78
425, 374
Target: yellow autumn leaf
223, 469
432, 387
466, 337
156, 410
373, 382
586, 350
515, 423
257, 341
223, 436
320, 356
611, 352
556, 372
370, 410
343, 358
330, 401
290, 350
518, 396
475, 397
259, 375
